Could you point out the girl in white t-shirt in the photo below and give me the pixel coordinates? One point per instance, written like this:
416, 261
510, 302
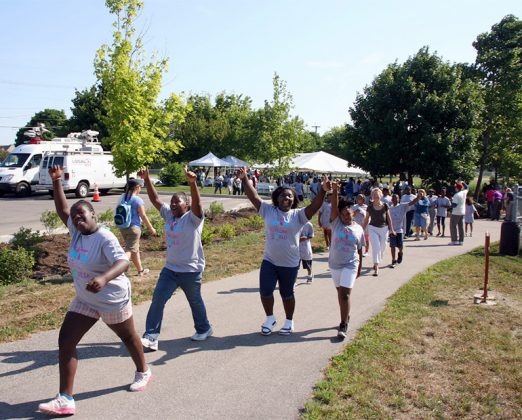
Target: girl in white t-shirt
98, 264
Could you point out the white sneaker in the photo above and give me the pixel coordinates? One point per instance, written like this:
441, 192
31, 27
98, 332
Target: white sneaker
365, 254
202, 336
287, 328
310, 279
141, 379
149, 343
268, 325
60, 406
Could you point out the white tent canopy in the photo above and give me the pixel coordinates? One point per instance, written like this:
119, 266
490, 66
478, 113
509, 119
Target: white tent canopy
325, 163
210, 160
234, 162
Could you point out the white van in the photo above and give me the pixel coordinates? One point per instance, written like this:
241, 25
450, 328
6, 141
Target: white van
19, 172
82, 170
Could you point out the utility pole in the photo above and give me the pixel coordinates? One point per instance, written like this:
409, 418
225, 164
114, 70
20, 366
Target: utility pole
316, 127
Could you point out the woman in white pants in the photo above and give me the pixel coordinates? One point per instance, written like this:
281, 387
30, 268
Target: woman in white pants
379, 223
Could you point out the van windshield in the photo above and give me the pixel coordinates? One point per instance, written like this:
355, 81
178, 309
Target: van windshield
15, 160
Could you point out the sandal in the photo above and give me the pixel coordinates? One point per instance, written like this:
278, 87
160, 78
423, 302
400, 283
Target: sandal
287, 328
268, 326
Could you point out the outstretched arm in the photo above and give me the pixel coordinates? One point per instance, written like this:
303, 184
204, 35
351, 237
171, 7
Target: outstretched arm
195, 204
317, 202
60, 202
151, 190
335, 202
249, 189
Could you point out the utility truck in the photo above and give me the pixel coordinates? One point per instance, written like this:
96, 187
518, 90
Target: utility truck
19, 171
84, 169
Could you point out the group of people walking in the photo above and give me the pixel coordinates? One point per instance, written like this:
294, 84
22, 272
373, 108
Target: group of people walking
98, 263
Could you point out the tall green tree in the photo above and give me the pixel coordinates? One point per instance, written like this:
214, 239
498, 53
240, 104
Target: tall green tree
499, 65
55, 121
138, 126
279, 134
88, 111
421, 117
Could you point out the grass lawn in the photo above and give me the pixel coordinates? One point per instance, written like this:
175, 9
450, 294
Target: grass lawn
432, 353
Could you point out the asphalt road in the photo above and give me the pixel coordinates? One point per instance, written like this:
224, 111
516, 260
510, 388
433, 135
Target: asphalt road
16, 212
235, 374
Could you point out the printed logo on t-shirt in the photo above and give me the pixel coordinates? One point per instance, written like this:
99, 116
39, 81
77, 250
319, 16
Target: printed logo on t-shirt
172, 233
278, 230
77, 259
344, 239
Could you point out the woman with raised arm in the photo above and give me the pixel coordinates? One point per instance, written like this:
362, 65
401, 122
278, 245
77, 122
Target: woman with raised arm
379, 223
345, 254
185, 260
98, 264
283, 223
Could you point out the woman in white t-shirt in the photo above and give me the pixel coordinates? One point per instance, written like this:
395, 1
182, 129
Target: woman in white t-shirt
283, 224
98, 264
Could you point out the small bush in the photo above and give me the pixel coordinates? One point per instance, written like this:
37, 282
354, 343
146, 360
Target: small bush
106, 218
15, 265
215, 209
256, 222
173, 174
26, 238
50, 220
208, 234
227, 231
156, 220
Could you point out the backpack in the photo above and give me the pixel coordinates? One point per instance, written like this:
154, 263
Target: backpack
123, 214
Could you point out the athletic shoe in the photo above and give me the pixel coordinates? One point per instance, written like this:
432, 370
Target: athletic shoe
470, 235
60, 406
143, 272
268, 325
343, 328
393, 264
287, 328
202, 336
460, 243
149, 343
141, 379
454, 243
399, 258
365, 254
310, 279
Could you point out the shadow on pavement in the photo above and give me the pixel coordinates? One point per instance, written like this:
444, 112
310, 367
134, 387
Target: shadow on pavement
27, 410
180, 346
43, 358
239, 290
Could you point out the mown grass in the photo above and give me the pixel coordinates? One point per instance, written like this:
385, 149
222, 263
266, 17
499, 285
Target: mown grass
432, 353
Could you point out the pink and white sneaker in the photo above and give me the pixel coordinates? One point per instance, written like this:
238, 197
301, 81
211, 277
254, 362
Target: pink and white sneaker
141, 379
59, 406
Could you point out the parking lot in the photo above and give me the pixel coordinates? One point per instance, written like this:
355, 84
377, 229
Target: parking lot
26, 211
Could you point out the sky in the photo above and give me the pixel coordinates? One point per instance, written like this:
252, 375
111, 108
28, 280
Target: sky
327, 51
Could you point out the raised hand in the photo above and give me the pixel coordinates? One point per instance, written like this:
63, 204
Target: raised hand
191, 176
336, 186
56, 172
143, 173
326, 184
242, 172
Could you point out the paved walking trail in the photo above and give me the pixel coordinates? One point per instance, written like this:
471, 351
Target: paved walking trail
237, 373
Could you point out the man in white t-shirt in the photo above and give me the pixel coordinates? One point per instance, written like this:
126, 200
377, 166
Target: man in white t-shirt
458, 204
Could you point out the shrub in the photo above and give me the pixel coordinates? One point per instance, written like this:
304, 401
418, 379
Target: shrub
256, 221
50, 220
215, 209
207, 234
15, 265
173, 174
106, 218
156, 220
227, 231
26, 238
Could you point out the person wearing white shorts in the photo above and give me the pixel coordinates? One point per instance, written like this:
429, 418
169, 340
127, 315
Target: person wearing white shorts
345, 254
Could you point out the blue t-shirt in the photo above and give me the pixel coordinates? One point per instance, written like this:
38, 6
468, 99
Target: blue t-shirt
422, 205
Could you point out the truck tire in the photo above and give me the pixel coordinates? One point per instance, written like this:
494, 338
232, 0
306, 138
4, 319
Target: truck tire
23, 189
82, 190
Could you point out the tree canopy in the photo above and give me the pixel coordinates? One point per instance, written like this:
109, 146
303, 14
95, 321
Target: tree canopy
138, 126
420, 118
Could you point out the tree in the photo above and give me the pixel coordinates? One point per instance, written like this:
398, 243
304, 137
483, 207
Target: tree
279, 135
55, 121
421, 117
138, 126
499, 66
88, 111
